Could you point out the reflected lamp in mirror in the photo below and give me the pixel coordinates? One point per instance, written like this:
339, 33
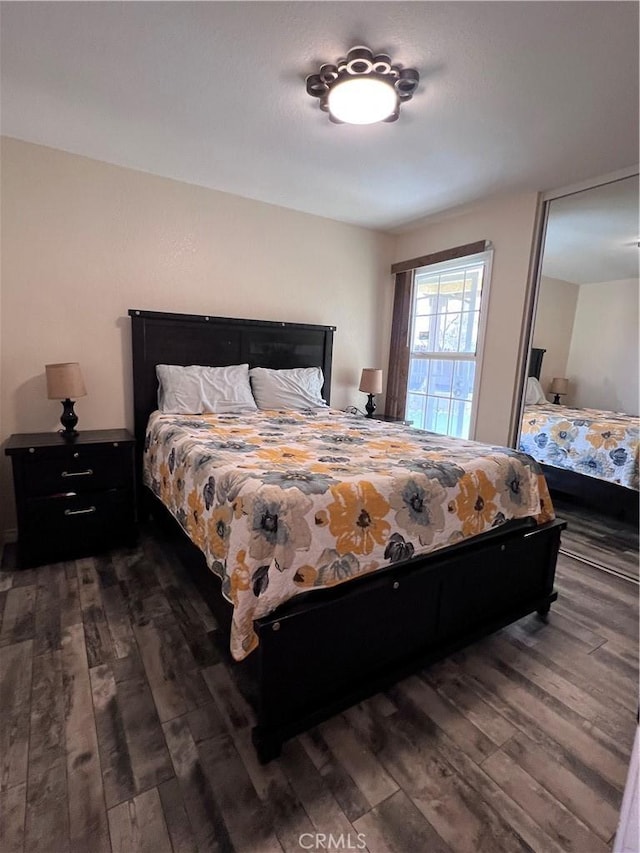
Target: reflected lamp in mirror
65, 383
559, 387
371, 384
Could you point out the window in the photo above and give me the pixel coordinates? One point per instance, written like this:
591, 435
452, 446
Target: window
445, 344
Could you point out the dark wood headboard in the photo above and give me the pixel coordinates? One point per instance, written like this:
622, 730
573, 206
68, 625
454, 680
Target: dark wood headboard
535, 362
161, 338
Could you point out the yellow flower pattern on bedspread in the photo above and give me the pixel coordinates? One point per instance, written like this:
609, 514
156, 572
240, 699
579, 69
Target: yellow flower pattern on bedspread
284, 502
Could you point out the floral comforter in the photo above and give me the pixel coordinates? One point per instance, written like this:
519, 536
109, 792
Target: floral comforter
283, 502
587, 441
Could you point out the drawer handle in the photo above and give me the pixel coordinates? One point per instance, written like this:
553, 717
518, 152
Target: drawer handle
80, 511
86, 473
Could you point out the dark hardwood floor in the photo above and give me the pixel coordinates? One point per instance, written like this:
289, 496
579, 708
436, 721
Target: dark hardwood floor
122, 729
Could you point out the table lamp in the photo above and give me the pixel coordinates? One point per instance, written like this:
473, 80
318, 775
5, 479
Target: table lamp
371, 383
65, 383
559, 387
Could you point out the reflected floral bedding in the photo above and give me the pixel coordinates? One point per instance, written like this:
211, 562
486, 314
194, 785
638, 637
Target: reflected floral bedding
599, 444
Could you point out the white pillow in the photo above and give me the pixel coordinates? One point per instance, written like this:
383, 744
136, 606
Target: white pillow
534, 394
294, 388
197, 390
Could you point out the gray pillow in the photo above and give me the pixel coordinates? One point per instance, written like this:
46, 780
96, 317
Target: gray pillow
199, 390
293, 388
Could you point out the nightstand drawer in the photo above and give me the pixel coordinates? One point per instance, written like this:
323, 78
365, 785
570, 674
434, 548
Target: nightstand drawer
77, 524
77, 471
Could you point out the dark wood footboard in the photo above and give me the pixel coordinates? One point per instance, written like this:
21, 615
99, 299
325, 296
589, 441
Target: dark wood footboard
322, 654
327, 649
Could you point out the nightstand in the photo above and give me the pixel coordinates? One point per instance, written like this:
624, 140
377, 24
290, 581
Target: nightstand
73, 497
392, 420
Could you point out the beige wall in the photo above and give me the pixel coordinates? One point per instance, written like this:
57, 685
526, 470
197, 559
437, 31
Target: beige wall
83, 241
555, 314
602, 367
508, 223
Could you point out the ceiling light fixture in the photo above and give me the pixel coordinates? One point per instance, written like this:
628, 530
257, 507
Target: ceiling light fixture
363, 88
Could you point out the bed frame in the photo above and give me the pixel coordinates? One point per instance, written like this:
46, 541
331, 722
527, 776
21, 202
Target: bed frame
326, 649
608, 498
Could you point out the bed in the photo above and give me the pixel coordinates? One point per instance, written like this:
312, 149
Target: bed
354, 624
589, 455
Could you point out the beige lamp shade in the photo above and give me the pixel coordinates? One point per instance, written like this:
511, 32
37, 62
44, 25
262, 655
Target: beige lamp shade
559, 385
371, 380
64, 381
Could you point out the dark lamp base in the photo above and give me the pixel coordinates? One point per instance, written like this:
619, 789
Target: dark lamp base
68, 419
371, 406
556, 399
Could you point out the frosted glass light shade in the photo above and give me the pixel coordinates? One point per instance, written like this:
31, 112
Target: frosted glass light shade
371, 381
64, 381
362, 100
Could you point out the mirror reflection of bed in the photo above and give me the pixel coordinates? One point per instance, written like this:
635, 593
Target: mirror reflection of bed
585, 345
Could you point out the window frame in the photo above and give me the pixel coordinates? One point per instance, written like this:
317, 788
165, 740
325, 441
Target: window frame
486, 258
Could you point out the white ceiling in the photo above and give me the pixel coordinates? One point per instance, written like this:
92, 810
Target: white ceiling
592, 236
513, 96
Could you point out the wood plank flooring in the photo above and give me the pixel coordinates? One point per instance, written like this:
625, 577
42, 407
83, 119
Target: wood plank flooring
122, 729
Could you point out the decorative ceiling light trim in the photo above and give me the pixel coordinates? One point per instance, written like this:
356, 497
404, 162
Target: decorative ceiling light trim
363, 88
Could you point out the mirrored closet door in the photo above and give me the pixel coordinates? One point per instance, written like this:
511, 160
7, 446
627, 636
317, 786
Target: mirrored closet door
587, 309
580, 416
